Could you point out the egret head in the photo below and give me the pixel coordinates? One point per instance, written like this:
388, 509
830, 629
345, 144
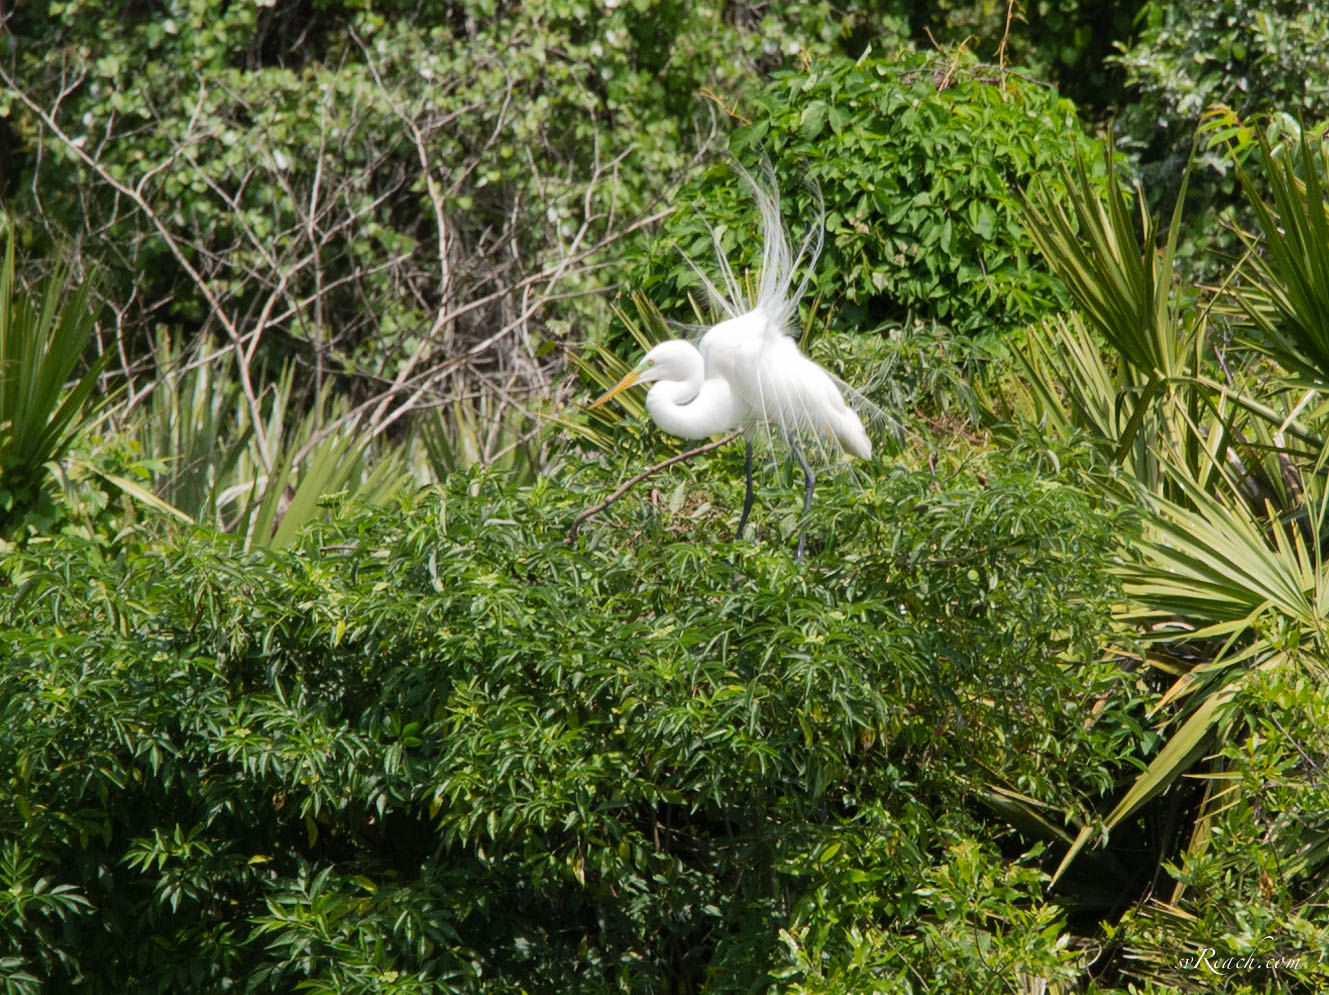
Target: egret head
675, 360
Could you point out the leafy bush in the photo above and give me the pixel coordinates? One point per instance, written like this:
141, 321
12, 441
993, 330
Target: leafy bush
1267, 59
920, 161
440, 746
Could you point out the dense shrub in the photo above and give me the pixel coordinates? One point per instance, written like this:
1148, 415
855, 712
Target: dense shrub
920, 160
1258, 60
441, 746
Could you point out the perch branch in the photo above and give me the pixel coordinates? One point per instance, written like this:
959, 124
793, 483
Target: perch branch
623, 489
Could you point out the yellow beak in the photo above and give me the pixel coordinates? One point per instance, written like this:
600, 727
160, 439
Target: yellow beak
618, 388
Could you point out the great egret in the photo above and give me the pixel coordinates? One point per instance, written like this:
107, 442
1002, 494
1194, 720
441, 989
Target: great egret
747, 372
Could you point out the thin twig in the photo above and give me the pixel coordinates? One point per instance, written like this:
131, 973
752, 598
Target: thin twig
1012, 12
596, 509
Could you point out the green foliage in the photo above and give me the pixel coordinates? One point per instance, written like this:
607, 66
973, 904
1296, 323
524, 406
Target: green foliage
987, 920
261, 471
1188, 58
919, 160
44, 332
258, 735
1266, 59
1118, 283
1067, 43
440, 746
1286, 295
1227, 592
1126, 295
1271, 933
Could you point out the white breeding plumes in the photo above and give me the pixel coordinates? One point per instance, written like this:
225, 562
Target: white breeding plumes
748, 372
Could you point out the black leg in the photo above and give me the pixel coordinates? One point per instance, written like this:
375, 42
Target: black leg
747, 497
809, 481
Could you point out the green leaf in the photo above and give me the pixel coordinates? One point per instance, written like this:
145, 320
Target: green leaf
40, 346
1184, 746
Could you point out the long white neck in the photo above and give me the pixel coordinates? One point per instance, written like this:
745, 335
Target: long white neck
694, 408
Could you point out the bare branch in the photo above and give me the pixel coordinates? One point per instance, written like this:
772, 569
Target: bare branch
633, 482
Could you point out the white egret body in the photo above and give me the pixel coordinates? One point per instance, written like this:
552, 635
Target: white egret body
778, 384
748, 372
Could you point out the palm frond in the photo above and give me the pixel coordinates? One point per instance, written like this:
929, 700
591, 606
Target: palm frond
1287, 297
43, 335
1118, 276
